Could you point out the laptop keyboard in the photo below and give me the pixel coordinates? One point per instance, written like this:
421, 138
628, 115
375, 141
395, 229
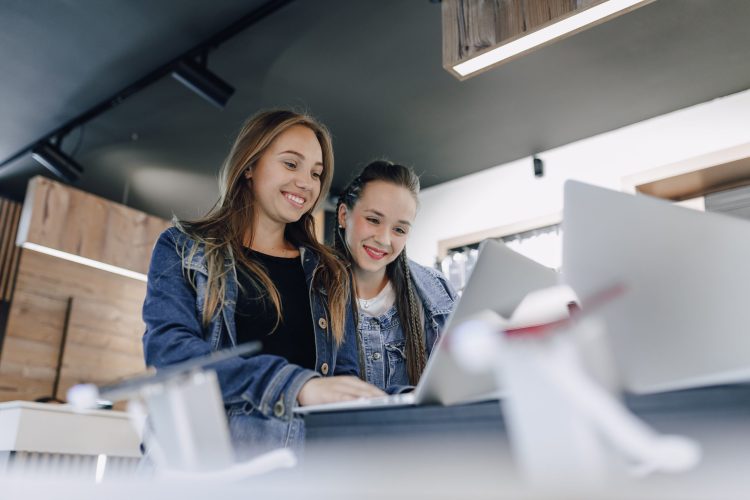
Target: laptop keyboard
394, 399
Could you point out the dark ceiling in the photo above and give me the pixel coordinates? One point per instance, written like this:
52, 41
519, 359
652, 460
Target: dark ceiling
370, 69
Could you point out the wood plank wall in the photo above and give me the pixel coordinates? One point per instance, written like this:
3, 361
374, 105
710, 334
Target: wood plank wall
67, 219
10, 212
104, 326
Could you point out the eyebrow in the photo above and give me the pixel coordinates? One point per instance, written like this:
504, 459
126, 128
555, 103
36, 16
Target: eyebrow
300, 155
404, 222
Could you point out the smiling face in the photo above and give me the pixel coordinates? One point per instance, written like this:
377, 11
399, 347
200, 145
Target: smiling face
377, 227
286, 179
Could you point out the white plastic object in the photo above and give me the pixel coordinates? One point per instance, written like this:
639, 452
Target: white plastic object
83, 396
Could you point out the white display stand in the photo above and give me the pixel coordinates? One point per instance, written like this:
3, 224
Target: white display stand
56, 438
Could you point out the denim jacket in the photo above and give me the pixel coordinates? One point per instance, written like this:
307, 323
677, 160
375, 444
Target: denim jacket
259, 392
381, 339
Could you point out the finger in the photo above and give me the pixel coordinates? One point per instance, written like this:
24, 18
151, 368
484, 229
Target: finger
373, 392
361, 389
346, 393
368, 390
342, 396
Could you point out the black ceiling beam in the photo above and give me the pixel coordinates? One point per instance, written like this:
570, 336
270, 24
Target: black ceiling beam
198, 52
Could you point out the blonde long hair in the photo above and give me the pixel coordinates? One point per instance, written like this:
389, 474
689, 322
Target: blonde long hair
223, 230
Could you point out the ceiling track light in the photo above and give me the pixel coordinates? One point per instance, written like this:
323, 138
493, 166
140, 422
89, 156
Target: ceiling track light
210, 87
57, 162
203, 82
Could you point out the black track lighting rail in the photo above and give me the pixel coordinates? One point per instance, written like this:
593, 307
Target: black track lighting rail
198, 53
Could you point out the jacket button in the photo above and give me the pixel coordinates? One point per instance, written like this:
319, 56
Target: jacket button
323, 323
324, 368
376, 356
278, 408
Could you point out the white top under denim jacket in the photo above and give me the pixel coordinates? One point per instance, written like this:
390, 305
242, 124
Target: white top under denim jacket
259, 392
382, 338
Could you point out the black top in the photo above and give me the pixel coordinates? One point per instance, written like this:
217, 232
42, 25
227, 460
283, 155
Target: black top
255, 316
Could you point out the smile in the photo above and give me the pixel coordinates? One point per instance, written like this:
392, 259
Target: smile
295, 200
374, 253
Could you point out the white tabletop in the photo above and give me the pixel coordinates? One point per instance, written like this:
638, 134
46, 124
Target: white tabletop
54, 428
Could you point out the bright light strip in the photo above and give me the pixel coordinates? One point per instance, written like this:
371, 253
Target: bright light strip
101, 464
544, 35
83, 260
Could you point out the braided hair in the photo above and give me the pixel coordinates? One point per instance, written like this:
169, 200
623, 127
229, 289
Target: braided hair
398, 273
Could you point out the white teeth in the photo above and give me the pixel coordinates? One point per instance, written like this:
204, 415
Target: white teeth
296, 199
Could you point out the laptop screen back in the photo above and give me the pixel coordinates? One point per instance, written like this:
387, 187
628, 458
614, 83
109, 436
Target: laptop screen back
684, 318
500, 280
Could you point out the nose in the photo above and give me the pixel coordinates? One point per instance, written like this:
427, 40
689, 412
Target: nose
303, 180
383, 236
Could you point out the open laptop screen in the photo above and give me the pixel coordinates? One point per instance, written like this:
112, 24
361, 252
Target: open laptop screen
683, 318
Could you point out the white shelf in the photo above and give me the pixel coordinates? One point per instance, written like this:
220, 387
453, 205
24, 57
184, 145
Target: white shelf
49, 428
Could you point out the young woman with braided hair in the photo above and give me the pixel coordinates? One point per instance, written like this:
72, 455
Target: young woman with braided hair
401, 306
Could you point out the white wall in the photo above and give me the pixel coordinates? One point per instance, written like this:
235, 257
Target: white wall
510, 193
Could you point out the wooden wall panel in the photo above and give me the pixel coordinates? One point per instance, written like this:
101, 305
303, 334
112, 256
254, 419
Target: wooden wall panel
471, 27
41, 316
104, 332
538, 13
100, 326
509, 20
14, 386
60, 217
10, 213
102, 339
31, 354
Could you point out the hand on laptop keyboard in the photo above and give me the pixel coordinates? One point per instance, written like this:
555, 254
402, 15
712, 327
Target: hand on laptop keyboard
334, 389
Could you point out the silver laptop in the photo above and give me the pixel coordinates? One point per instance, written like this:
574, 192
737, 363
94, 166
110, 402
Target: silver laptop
499, 281
684, 318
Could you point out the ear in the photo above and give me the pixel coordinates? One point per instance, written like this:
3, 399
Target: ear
248, 173
341, 216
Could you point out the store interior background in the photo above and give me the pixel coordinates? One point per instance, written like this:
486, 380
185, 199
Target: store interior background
644, 95
372, 71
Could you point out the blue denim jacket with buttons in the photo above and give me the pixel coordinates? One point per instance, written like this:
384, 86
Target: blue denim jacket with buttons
259, 392
382, 339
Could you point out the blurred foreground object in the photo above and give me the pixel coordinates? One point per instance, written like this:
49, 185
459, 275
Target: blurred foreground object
58, 441
567, 431
186, 435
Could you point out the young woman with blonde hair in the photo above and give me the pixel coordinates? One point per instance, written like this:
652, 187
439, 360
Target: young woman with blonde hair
252, 269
